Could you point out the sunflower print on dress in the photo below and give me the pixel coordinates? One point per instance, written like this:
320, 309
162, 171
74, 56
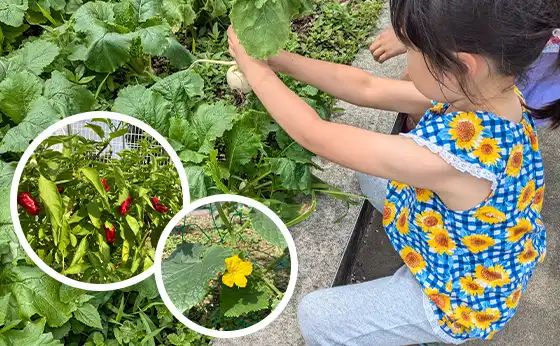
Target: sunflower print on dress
473, 265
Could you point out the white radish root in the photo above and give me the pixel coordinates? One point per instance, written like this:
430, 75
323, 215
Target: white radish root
235, 78
237, 81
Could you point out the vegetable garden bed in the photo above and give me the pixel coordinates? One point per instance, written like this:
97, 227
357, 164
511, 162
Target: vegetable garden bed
66, 57
369, 254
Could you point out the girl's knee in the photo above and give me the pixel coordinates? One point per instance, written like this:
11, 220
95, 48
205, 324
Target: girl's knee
312, 319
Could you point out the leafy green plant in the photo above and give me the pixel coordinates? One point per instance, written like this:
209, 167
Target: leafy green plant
230, 275
97, 212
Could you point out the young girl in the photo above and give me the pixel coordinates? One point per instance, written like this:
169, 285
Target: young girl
466, 185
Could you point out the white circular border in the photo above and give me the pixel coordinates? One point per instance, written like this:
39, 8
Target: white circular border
19, 170
293, 269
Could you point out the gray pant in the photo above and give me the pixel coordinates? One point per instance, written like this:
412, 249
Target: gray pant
382, 312
373, 188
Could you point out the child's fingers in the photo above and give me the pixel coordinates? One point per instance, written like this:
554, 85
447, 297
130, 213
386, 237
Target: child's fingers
378, 53
384, 57
375, 45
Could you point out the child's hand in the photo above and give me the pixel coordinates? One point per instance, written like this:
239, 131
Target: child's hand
237, 51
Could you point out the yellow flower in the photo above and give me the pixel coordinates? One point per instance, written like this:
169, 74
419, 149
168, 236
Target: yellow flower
513, 299
389, 211
529, 254
542, 256
237, 270
463, 315
518, 231
471, 287
402, 222
538, 200
429, 220
423, 195
449, 286
441, 242
494, 276
526, 196
466, 130
456, 327
399, 186
530, 132
437, 108
515, 161
442, 301
413, 260
483, 319
478, 242
488, 152
491, 334
490, 215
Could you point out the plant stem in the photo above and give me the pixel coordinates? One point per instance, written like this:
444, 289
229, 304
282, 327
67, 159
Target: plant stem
270, 284
209, 61
226, 222
256, 180
275, 263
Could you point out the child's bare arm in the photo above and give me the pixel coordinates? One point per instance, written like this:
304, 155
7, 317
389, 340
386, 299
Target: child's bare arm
352, 84
385, 156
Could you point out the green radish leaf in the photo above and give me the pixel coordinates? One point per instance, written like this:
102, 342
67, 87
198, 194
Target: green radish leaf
242, 145
293, 176
4, 303
81, 251
12, 12
210, 122
51, 200
236, 301
35, 56
18, 92
188, 270
76, 269
88, 315
35, 294
267, 229
133, 223
32, 335
197, 184
144, 104
94, 214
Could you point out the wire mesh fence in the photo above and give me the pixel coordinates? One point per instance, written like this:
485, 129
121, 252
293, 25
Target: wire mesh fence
129, 141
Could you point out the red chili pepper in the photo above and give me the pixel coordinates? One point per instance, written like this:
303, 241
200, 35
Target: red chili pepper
158, 206
125, 206
104, 182
110, 234
25, 200
60, 189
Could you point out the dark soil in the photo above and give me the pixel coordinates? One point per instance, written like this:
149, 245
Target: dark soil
376, 256
302, 25
160, 64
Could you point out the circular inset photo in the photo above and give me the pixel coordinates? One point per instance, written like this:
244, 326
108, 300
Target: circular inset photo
91, 197
226, 266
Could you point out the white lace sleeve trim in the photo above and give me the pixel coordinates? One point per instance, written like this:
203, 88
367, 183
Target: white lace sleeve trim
455, 161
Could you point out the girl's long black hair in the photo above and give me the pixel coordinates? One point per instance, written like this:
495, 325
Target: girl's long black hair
510, 33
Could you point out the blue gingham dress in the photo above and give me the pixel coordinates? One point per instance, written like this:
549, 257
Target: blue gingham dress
474, 264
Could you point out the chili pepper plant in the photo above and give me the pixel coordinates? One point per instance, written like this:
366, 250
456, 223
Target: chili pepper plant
94, 214
228, 269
